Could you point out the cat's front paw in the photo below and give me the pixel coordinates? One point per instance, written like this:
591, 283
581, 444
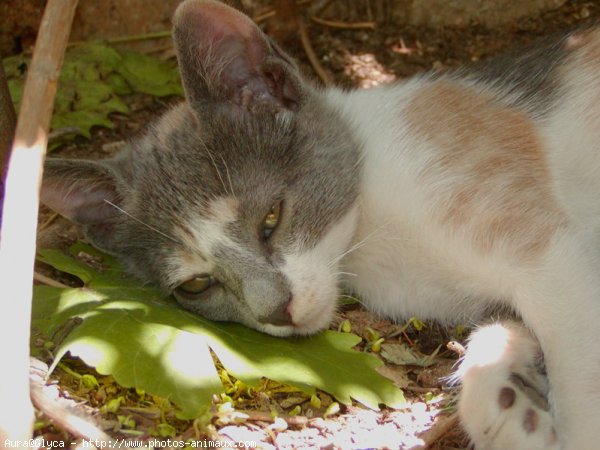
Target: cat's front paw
510, 421
503, 404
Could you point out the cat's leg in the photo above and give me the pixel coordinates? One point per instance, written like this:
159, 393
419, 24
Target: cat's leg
559, 300
503, 400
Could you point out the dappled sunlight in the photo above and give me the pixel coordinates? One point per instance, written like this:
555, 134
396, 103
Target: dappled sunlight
405, 428
70, 298
366, 71
128, 305
182, 352
94, 350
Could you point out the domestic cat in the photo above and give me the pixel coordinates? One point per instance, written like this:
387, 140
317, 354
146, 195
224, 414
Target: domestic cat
442, 196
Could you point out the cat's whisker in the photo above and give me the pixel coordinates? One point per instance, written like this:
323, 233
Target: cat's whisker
347, 252
338, 274
141, 222
345, 273
214, 163
356, 246
228, 175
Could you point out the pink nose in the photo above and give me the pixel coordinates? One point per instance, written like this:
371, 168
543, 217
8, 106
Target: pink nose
281, 316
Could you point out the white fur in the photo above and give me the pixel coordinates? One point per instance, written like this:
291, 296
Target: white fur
313, 276
495, 352
208, 229
409, 265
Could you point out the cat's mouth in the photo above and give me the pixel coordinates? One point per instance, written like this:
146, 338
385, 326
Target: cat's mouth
290, 330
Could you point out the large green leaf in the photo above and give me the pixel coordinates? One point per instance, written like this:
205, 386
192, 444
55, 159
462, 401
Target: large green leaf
92, 81
145, 340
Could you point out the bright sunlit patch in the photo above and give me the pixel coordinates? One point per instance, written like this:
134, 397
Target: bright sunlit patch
70, 298
181, 353
366, 428
488, 345
94, 350
366, 71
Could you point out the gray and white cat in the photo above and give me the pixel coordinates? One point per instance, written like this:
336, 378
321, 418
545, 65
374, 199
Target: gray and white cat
442, 197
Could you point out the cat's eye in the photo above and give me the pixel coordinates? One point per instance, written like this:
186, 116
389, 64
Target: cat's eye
195, 286
272, 220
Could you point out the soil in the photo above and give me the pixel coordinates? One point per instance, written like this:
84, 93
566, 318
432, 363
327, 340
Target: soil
353, 58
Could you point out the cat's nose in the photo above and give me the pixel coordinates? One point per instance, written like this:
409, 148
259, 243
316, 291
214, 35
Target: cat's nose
280, 316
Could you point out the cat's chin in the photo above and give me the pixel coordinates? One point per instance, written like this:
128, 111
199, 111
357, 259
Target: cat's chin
290, 330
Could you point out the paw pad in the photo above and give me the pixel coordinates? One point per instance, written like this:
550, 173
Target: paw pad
506, 398
531, 420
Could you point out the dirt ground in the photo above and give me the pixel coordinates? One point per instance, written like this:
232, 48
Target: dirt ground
353, 58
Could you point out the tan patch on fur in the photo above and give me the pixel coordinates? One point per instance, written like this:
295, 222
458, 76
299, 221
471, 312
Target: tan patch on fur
223, 210
499, 187
172, 120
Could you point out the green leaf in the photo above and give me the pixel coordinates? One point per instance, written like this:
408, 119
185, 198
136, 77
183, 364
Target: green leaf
149, 75
146, 341
92, 81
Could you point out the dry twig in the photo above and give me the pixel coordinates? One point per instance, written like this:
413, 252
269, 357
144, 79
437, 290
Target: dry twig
270, 12
344, 25
310, 53
59, 410
40, 278
262, 416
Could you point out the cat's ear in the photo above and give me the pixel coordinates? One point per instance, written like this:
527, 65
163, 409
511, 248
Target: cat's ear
80, 190
226, 61
84, 192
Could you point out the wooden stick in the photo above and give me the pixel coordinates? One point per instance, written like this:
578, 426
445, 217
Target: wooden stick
20, 218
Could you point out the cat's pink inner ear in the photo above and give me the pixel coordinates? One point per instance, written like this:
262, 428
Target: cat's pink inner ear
225, 56
83, 201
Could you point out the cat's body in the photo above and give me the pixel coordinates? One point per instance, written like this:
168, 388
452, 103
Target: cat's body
441, 197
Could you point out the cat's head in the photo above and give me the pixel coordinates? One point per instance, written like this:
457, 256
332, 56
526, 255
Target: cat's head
240, 201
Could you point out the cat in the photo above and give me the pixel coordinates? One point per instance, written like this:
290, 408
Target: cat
442, 196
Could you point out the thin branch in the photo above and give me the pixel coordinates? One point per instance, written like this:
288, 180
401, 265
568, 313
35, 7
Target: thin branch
324, 7
261, 17
441, 426
40, 278
344, 25
48, 222
20, 217
124, 39
262, 416
312, 56
270, 12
